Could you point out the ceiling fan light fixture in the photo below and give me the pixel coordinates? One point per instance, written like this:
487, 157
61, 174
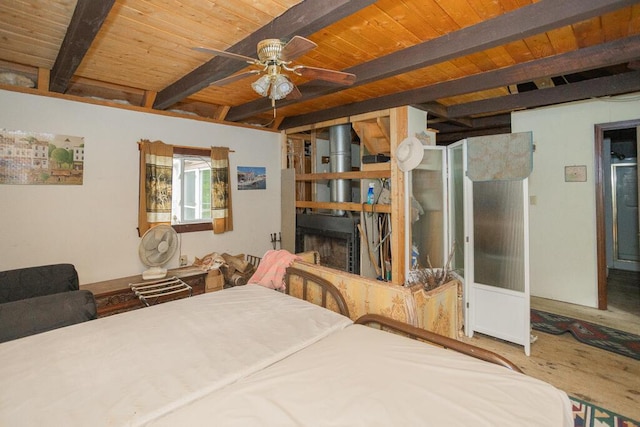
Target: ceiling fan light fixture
261, 86
275, 56
281, 87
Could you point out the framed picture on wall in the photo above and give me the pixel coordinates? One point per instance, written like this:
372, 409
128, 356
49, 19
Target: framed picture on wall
575, 173
40, 158
252, 178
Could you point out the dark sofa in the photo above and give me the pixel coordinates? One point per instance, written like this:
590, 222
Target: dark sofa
38, 299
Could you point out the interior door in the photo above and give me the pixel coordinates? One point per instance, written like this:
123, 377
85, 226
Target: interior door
489, 223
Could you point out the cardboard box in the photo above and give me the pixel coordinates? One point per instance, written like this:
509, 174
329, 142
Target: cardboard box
214, 281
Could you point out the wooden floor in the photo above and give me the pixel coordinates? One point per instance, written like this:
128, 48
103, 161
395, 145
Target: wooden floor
606, 379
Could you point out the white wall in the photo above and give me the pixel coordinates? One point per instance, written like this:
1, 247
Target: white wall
416, 121
93, 226
563, 219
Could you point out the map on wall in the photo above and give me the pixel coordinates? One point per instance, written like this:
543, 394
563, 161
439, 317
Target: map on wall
40, 158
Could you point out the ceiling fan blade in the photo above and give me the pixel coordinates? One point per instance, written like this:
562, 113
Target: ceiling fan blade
295, 93
227, 54
324, 74
296, 47
234, 78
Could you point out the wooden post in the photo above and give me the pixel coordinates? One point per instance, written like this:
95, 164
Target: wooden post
222, 112
149, 98
44, 77
398, 131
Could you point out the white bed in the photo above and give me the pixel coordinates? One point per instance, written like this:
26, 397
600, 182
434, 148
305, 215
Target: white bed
253, 356
130, 368
362, 376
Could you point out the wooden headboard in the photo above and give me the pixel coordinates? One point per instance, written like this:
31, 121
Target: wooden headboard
315, 289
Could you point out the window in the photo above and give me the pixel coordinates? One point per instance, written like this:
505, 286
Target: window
191, 189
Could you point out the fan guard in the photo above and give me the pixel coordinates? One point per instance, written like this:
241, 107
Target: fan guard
156, 248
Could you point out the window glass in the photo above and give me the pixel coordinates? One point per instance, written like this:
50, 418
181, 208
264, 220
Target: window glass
191, 185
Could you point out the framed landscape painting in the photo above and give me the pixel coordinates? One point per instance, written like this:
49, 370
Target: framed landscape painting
252, 178
40, 158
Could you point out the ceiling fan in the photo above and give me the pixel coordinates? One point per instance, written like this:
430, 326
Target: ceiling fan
275, 57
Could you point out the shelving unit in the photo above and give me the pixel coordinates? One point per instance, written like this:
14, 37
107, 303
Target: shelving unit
379, 132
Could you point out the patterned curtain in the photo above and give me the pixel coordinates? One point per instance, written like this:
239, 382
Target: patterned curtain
221, 214
156, 166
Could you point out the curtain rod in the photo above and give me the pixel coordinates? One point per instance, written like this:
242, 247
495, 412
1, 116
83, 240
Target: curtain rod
183, 146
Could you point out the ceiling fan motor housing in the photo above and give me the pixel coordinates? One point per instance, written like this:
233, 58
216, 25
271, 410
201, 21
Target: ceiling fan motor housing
269, 50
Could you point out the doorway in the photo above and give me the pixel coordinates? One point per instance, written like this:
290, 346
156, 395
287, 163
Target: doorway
614, 160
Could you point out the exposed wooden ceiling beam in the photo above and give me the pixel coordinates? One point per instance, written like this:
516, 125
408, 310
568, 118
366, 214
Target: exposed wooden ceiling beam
495, 121
498, 120
448, 133
516, 25
606, 54
450, 138
303, 19
434, 108
602, 86
87, 19
438, 110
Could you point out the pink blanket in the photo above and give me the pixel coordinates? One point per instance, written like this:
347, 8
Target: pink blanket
272, 268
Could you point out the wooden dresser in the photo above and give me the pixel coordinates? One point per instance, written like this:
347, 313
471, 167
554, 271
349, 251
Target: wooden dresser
115, 296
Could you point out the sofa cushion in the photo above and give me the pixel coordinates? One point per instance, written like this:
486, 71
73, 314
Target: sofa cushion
37, 281
34, 315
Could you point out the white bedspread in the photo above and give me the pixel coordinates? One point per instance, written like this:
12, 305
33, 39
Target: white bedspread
364, 377
130, 368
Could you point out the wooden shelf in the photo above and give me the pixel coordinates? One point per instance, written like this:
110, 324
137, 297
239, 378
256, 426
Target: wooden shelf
386, 173
346, 206
379, 132
371, 167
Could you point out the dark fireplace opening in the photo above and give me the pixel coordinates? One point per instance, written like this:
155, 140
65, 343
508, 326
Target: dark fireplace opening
336, 239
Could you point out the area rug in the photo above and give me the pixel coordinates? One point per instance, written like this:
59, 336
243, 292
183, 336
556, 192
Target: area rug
586, 414
602, 337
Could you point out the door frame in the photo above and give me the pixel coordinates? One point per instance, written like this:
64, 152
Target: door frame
601, 245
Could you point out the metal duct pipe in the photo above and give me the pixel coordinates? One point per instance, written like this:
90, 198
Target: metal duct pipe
340, 152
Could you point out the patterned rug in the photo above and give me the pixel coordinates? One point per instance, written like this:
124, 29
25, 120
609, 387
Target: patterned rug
586, 414
602, 337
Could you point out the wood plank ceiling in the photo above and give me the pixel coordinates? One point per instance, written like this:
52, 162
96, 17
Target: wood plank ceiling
467, 62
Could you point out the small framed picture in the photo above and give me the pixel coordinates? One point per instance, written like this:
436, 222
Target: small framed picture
252, 178
575, 173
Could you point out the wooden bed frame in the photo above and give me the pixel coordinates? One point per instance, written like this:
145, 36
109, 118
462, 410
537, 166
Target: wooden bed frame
432, 338
330, 293
311, 281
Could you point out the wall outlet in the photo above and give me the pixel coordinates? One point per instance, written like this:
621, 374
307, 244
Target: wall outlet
183, 260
